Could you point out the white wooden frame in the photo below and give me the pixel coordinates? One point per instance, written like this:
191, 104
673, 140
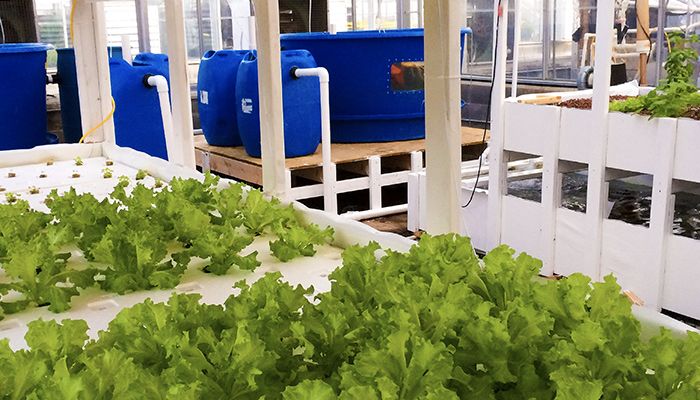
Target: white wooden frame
94, 86
656, 265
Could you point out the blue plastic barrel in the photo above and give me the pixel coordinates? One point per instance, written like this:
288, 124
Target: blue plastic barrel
376, 87
68, 92
22, 95
137, 119
216, 89
301, 99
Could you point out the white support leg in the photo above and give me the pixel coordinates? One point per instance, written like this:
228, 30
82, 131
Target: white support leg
497, 159
179, 82
375, 184
270, 88
416, 161
443, 114
597, 196
662, 204
551, 198
92, 67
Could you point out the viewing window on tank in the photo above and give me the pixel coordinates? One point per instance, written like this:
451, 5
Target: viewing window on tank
407, 76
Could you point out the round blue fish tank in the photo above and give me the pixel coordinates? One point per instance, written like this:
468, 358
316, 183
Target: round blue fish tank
302, 105
23, 95
216, 91
376, 82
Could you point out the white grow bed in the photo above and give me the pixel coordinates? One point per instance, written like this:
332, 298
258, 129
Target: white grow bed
97, 307
659, 267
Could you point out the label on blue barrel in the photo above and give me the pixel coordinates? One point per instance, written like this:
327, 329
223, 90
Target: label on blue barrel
204, 97
247, 106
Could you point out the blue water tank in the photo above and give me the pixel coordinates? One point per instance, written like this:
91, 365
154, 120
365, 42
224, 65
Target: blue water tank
216, 89
376, 81
301, 99
137, 118
22, 95
68, 92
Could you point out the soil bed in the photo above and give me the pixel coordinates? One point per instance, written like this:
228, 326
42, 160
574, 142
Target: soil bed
587, 103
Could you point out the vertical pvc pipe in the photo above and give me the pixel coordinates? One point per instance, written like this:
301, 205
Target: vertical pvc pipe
660, 40
597, 195
270, 87
443, 114
179, 81
497, 157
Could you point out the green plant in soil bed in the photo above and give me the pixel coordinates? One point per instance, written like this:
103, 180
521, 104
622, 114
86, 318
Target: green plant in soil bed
676, 96
433, 323
139, 239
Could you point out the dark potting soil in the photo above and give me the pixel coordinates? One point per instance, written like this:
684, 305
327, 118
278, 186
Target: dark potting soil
631, 202
692, 112
587, 104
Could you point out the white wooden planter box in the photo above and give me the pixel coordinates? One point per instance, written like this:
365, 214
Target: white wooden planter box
681, 289
660, 268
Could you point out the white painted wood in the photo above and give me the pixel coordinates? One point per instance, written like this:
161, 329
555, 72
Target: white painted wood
662, 204
416, 161
179, 81
682, 280
687, 165
627, 252
632, 142
443, 113
215, 19
569, 253
551, 191
375, 187
414, 199
575, 135
92, 67
522, 225
528, 127
270, 87
497, 159
597, 197
473, 216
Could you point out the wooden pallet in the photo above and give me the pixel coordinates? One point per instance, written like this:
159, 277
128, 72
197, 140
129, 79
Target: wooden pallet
360, 166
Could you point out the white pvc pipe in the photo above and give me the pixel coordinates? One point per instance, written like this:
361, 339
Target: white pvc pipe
171, 144
252, 40
330, 202
380, 212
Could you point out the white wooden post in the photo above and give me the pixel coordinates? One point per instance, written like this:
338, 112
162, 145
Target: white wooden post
497, 159
443, 114
179, 82
267, 33
597, 196
215, 18
92, 67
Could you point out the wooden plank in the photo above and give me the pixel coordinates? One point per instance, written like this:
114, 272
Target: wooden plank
341, 152
232, 167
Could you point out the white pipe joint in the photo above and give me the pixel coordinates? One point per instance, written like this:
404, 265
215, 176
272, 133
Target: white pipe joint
330, 201
159, 82
175, 154
320, 72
